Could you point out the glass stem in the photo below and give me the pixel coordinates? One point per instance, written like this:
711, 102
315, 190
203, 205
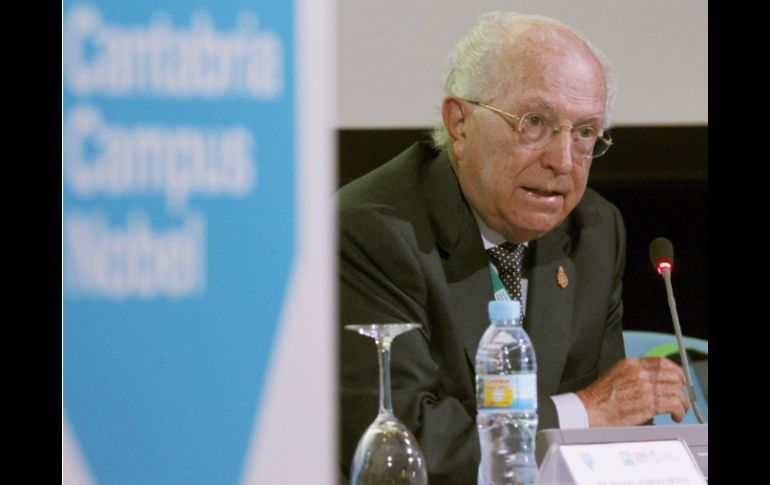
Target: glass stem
386, 405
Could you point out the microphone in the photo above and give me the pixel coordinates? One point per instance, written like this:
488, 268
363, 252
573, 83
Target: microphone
662, 255
662, 259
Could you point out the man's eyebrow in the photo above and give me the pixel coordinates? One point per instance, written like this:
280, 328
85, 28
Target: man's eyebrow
597, 119
542, 104
539, 104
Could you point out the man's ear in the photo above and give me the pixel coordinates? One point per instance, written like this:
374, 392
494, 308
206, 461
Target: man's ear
454, 112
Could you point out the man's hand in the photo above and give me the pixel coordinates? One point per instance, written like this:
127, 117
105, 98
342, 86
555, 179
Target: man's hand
634, 391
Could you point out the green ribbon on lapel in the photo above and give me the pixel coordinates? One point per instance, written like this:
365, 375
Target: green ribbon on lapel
501, 294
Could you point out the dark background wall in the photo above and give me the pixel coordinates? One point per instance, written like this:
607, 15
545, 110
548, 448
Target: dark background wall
658, 178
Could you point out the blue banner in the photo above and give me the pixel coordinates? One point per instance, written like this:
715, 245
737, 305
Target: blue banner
178, 229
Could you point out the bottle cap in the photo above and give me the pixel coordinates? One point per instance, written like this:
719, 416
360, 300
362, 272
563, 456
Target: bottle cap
504, 310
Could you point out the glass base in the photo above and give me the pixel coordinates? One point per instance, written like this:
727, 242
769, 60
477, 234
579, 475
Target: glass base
379, 331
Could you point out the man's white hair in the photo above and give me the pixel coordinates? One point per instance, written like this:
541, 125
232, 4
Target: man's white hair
473, 63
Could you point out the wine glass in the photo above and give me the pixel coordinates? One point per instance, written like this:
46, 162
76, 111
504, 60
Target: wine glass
387, 452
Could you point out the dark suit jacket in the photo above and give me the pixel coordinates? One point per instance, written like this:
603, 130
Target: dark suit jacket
410, 251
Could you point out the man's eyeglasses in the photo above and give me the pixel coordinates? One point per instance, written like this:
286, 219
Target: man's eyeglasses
538, 130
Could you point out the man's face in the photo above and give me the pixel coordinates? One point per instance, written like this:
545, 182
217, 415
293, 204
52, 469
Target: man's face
520, 192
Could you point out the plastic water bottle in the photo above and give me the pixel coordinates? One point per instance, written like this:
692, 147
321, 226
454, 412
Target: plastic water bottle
506, 399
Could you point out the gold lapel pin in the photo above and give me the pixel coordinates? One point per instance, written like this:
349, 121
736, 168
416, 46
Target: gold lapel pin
561, 278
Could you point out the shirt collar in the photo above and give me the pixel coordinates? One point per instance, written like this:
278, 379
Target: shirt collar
489, 237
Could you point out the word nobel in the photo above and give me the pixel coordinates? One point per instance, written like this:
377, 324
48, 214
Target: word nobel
161, 60
135, 261
175, 162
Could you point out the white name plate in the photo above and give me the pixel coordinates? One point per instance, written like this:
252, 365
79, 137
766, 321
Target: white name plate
633, 463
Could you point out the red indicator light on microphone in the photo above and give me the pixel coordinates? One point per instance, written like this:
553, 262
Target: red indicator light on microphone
663, 264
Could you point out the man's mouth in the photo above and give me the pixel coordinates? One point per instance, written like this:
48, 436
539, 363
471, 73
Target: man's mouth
543, 192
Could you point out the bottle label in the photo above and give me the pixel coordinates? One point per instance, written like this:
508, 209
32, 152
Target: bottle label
507, 391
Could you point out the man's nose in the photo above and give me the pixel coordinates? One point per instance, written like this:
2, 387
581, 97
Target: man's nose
558, 153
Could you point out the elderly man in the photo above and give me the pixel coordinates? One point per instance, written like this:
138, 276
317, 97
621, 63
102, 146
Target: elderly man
526, 108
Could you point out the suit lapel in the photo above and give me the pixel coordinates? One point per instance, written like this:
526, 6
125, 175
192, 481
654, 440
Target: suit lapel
464, 261
470, 289
549, 307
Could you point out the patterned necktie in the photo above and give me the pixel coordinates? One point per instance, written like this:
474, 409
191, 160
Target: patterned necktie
508, 258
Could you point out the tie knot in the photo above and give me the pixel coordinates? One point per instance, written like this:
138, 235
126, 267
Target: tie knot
508, 255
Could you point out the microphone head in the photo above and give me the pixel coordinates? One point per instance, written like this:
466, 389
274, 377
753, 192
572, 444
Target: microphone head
661, 254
